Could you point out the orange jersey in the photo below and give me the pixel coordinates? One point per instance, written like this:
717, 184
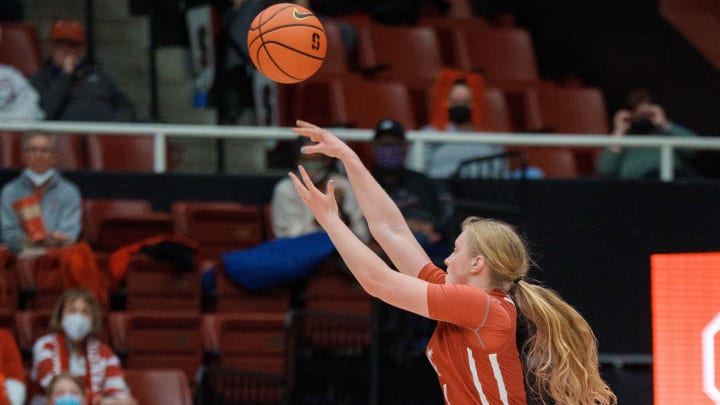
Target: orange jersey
473, 348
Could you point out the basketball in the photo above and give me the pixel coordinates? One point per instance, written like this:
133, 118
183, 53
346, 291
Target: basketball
287, 43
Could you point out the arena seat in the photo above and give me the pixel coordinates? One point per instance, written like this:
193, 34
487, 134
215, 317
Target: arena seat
364, 103
336, 61
20, 47
150, 339
161, 285
111, 223
120, 153
218, 227
234, 298
9, 296
555, 162
410, 54
252, 341
159, 386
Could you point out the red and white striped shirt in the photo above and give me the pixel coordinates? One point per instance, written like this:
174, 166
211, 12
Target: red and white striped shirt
102, 372
473, 349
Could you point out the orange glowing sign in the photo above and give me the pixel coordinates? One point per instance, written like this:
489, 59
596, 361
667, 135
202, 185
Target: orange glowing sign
686, 328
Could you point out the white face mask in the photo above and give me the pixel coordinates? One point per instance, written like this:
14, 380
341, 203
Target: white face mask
76, 326
38, 179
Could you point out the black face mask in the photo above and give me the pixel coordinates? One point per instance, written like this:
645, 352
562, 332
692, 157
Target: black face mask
642, 126
459, 114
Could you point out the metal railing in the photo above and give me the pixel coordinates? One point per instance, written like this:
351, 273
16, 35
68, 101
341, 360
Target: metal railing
666, 144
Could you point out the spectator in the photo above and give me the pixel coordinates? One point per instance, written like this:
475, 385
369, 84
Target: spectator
290, 216
73, 347
65, 389
59, 200
425, 204
18, 98
72, 89
642, 116
12, 374
459, 106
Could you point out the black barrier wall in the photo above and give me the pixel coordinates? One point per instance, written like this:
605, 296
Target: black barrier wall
592, 240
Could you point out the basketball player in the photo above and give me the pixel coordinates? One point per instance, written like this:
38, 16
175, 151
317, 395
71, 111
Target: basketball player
473, 349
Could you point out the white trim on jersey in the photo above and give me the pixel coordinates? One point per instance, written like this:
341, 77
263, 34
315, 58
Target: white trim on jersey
476, 379
499, 378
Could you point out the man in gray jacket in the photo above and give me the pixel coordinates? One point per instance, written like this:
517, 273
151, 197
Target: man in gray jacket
72, 89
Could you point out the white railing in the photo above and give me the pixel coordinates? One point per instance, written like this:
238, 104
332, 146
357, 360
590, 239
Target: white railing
161, 132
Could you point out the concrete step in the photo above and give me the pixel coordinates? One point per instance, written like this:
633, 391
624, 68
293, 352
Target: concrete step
174, 65
125, 63
130, 31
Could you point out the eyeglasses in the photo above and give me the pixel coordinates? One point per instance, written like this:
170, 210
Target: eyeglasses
38, 150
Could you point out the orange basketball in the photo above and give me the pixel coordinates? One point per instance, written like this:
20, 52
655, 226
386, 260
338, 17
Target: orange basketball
287, 43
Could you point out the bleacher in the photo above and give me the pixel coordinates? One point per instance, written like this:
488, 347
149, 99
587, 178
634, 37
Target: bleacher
234, 346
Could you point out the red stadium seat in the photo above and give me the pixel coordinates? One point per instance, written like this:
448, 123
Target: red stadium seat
554, 162
121, 153
410, 54
159, 386
252, 341
161, 285
158, 339
9, 297
218, 227
336, 61
364, 103
109, 224
20, 47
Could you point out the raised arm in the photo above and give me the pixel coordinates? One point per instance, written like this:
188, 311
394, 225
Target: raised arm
373, 274
385, 221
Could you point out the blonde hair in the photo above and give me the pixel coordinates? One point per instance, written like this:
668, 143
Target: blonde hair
71, 295
560, 357
64, 376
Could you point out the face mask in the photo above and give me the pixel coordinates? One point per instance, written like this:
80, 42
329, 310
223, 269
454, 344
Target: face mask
38, 179
318, 171
459, 114
67, 400
76, 326
389, 156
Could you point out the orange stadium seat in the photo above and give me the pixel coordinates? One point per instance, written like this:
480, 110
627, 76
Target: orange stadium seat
366, 102
20, 47
159, 386
218, 227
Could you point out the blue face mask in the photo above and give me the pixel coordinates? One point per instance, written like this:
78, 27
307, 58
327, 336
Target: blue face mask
389, 156
68, 400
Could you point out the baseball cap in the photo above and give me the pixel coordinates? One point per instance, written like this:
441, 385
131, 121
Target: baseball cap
67, 30
390, 127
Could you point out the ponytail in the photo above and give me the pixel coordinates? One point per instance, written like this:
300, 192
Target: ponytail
561, 352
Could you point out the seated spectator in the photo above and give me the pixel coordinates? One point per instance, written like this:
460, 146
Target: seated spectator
73, 347
425, 204
643, 116
57, 200
459, 106
71, 88
12, 374
18, 98
291, 217
65, 389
